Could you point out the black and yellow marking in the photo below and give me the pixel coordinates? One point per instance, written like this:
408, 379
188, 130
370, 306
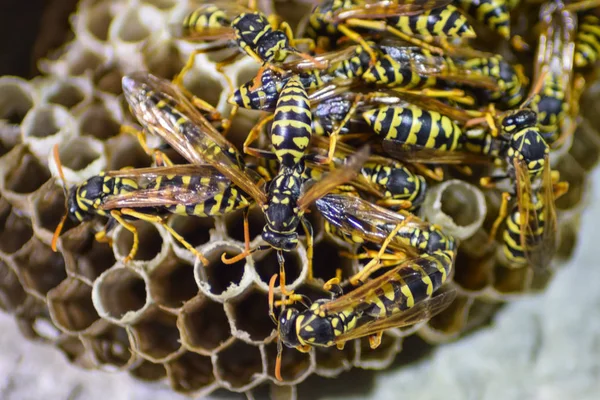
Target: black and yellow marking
204, 18
399, 184
587, 41
256, 36
492, 13
512, 245
291, 130
445, 21
412, 125
551, 106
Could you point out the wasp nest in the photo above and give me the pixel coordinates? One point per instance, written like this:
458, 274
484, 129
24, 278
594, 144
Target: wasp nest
164, 316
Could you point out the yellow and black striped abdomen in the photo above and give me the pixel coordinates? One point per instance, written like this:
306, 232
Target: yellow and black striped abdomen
528, 144
512, 247
551, 107
492, 13
413, 283
204, 18
398, 182
291, 130
587, 42
392, 73
445, 21
414, 126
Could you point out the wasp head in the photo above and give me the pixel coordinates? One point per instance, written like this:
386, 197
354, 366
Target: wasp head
287, 327
519, 119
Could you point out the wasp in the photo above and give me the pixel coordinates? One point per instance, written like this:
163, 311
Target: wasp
164, 111
493, 13
382, 303
587, 41
150, 194
530, 235
262, 38
555, 100
417, 22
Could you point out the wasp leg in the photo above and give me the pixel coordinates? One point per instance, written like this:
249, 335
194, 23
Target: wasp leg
308, 230
333, 138
103, 238
383, 26
160, 158
375, 264
356, 37
160, 220
375, 340
131, 228
335, 281
340, 345
501, 215
436, 174
489, 182
403, 204
453, 94
255, 133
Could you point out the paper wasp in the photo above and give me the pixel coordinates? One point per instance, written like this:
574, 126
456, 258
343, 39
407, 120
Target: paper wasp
164, 111
417, 22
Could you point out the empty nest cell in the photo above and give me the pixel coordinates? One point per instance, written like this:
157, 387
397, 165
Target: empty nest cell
16, 99
71, 308
204, 326
12, 294
382, 356
151, 241
296, 267
239, 366
110, 348
295, 365
248, 315
120, 295
98, 122
39, 267
190, 372
195, 230
68, 93
24, 173
155, 336
172, 283
15, 228
148, 371
124, 151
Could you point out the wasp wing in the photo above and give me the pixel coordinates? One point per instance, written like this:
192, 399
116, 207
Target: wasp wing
370, 9
425, 155
538, 227
421, 312
208, 21
330, 181
356, 217
164, 110
359, 294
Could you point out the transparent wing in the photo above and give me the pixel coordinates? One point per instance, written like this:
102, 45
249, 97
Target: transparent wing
358, 295
360, 218
330, 181
421, 312
195, 25
168, 186
165, 111
419, 154
538, 226
369, 9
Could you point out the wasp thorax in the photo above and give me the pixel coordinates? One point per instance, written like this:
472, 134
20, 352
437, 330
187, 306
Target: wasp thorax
286, 241
519, 119
82, 197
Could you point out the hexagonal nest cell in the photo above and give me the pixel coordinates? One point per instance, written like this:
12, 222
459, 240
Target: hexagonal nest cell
164, 316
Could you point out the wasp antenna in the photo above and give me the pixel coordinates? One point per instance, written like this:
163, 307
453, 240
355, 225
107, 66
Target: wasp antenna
61, 174
536, 88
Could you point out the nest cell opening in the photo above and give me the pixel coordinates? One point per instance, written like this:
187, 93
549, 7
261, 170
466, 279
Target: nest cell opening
250, 316
511, 280
98, 21
125, 151
71, 306
73, 349
328, 259
121, 291
294, 364
46, 121
148, 371
473, 273
12, 295
269, 265
459, 202
204, 325
221, 276
172, 283
16, 229
133, 30
84, 60
78, 154
150, 241
238, 364
49, 208
190, 372
108, 79
66, 94
15, 102
156, 337
111, 347
96, 121
27, 176
40, 268
234, 223
89, 257
204, 85
380, 357
195, 230
453, 319
330, 359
